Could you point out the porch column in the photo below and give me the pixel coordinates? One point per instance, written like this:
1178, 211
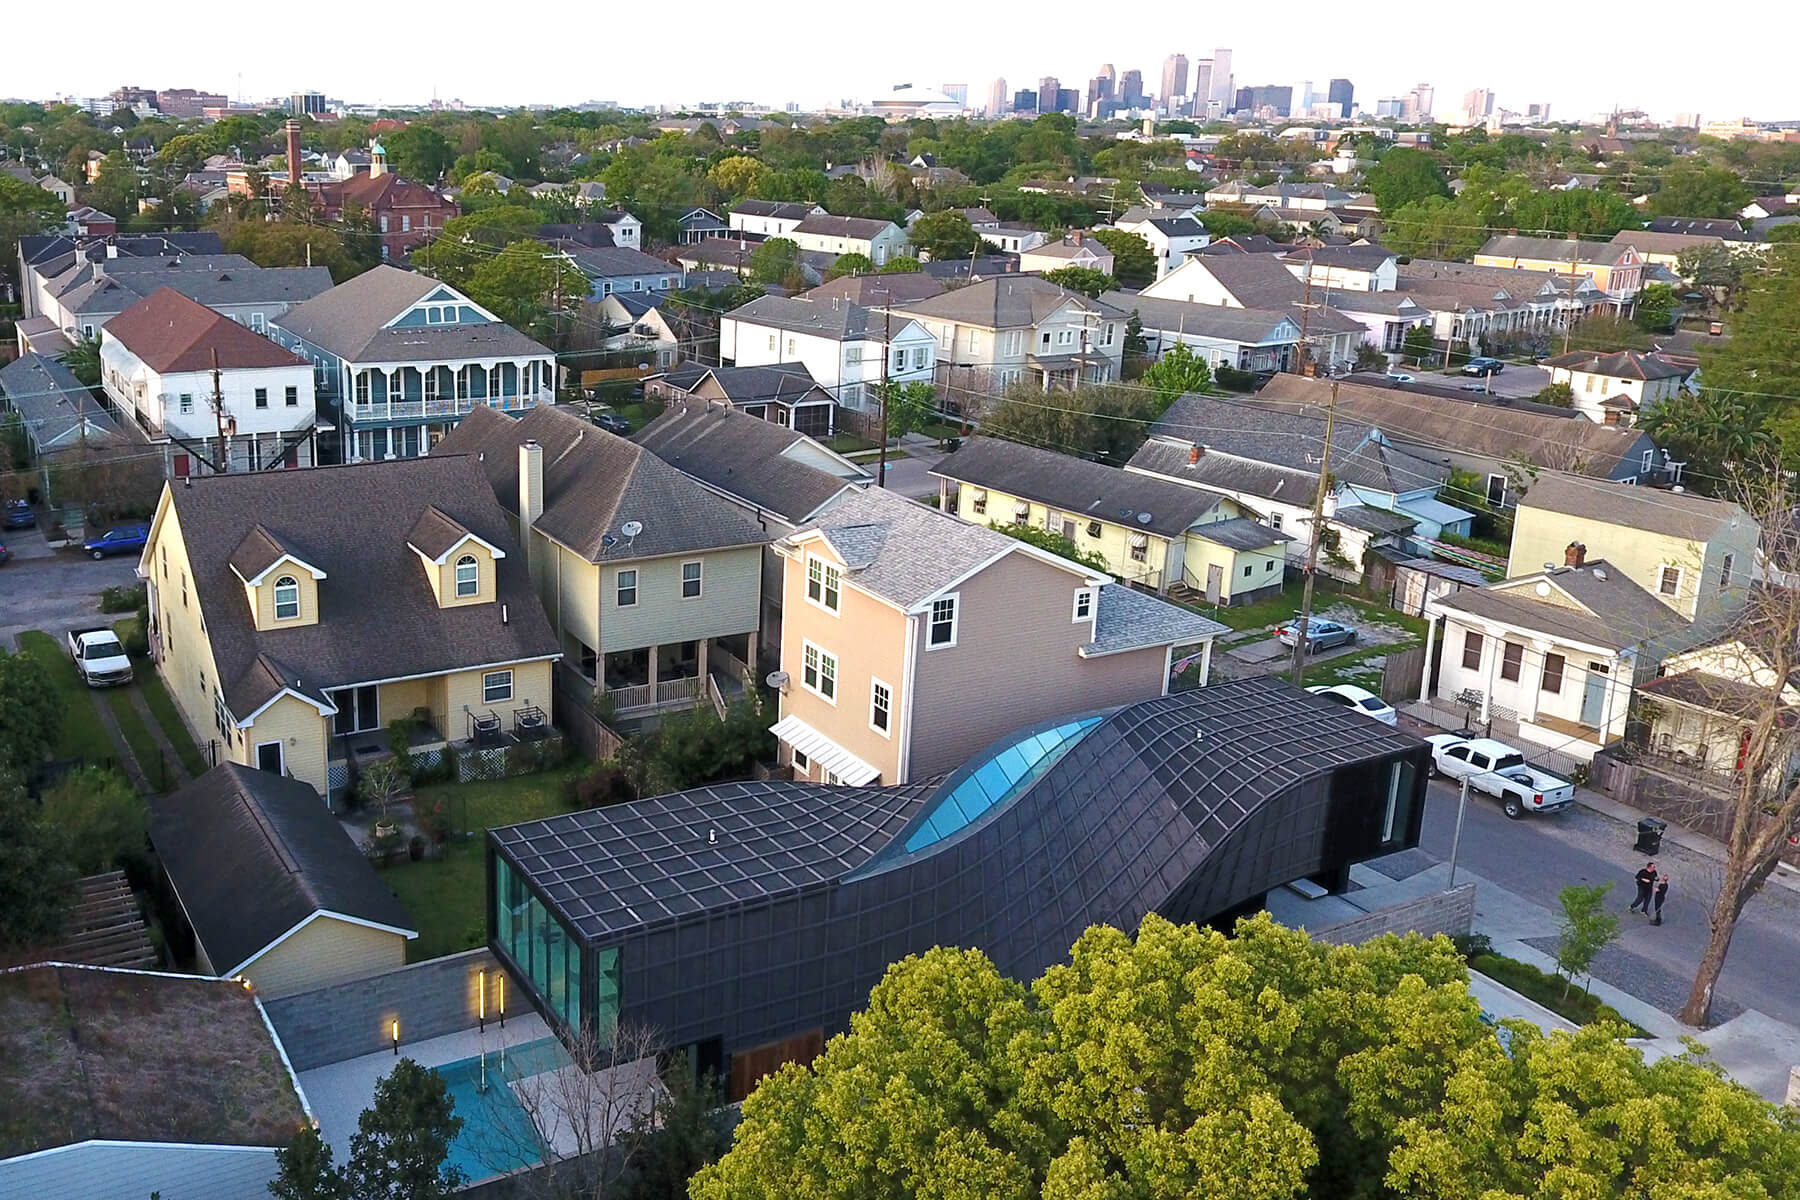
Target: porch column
1535, 678
700, 656
1206, 662
396, 385
1431, 628
750, 656
653, 656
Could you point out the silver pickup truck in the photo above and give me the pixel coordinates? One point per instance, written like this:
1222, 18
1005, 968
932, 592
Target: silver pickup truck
1501, 771
99, 657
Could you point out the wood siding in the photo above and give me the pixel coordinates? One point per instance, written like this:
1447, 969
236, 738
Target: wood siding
325, 952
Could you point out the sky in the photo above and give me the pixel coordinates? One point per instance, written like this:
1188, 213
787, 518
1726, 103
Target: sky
1582, 59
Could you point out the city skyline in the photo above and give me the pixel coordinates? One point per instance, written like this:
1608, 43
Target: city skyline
745, 68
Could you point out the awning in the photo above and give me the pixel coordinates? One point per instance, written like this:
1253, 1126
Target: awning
1139, 540
822, 750
1022, 508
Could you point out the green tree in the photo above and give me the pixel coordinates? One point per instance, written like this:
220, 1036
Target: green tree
911, 406
850, 264
1055, 543
943, 235
83, 361
1560, 394
776, 261
304, 1171
402, 1142
115, 186
1761, 359
684, 1132
1404, 175
901, 264
1718, 268
737, 175
690, 748
106, 822
31, 714
25, 210
1656, 309
288, 244
1088, 281
1584, 929
1717, 434
35, 872
527, 288
1134, 263
418, 152
1417, 344
1699, 191
1176, 373
1100, 421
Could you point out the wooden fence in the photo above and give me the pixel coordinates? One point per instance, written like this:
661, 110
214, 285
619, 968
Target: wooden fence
586, 732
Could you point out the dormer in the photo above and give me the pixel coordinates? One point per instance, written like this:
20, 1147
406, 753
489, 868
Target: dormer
442, 306
459, 567
281, 588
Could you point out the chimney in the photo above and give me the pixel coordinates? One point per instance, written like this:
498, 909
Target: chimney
293, 152
1193, 454
531, 493
1574, 554
1079, 234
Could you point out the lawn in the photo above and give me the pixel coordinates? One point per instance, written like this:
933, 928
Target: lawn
1279, 610
162, 707
138, 736
83, 733
849, 443
446, 895
1551, 991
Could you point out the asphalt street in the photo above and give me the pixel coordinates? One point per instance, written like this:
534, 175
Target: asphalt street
1539, 855
54, 590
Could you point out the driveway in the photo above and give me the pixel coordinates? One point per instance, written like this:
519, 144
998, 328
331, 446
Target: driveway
1259, 652
911, 476
55, 590
1518, 381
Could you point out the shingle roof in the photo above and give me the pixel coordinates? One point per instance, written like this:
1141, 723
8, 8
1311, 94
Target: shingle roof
1731, 231
1172, 458
595, 482
879, 290
1615, 612
54, 404
1364, 257
742, 455
1513, 245
171, 333
1374, 520
788, 210
115, 284
1250, 325
1621, 364
1654, 241
378, 618
860, 228
252, 854
259, 551
1127, 619
1677, 514
1253, 280
829, 317
1243, 243
611, 262
1241, 533
776, 383
436, 533
1005, 302
1078, 487
345, 319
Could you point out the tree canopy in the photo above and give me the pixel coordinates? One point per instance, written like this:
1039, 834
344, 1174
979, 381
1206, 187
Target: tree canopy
942, 235
1404, 175
1266, 1066
1089, 281
1134, 263
1176, 373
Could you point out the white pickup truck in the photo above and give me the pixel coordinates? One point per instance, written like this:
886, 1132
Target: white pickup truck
1501, 771
99, 657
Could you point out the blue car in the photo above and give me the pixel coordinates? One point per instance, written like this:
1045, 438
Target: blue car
125, 539
18, 515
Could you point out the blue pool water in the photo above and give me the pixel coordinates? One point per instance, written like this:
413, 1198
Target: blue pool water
497, 1134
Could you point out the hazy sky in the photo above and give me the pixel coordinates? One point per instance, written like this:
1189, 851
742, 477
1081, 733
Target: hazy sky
1581, 58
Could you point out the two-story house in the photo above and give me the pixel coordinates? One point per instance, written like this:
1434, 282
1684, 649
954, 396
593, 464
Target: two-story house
399, 359
871, 237
1012, 238
615, 269
1262, 281
1152, 533
651, 582
1616, 268
1362, 267
912, 639
1604, 581
84, 294
209, 394
638, 325
847, 347
406, 214
291, 641
1076, 250
599, 227
771, 218
1243, 339
1617, 388
998, 332
1171, 236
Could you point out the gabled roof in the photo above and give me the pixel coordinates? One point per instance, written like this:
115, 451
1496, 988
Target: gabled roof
786, 210
1243, 243
1731, 231
436, 533
261, 550
595, 483
1654, 241
1066, 248
859, 228
378, 618
171, 333
55, 405
1364, 257
1081, 489
1621, 364
1609, 610
1513, 245
1253, 280
1172, 457
1252, 326
746, 457
1005, 302
345, 319
611, 262
828, 316
253, 854
1675, 514
877, 291
778, 383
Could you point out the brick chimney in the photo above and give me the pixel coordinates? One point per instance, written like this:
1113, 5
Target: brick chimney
1574, 554
531, 493
293, 152
1193, 455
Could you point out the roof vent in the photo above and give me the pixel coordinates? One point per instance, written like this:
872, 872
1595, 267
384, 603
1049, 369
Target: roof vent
1144, 518
712, 837
1600, 574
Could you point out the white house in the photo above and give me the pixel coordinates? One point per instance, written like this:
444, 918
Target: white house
1015, 328
1012, 239
770, 218
877, 240
158, 361
1076, 250
844, 345
1170, 237
627, 231
1357, 268
1614, 388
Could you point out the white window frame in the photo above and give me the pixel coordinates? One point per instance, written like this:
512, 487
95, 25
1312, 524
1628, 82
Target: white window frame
699, 578
1645, 459
1725, 565
490, 683
954, 600
620, 588
814, 660
474, 580
877, 690
287, 583
825, 583
1661, 573
187, 402
1083, 606
280, 749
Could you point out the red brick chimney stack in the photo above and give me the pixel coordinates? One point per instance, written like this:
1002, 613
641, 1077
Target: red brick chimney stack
1574, 554
293, 151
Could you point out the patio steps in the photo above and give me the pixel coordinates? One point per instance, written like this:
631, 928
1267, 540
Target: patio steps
105, 928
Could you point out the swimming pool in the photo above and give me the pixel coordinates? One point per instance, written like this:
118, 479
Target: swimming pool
498, 1135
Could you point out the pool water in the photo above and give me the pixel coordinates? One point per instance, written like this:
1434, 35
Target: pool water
498, 1135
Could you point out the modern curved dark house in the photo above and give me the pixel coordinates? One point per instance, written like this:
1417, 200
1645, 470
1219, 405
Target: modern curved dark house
743, 918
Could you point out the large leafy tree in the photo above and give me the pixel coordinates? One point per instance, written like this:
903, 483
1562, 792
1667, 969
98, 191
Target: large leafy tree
1715, 433
1761, 359
1176, 373
1265, 1066
1134, 263
1088, 281
402, 1141
776, 261
34, 866
943, 235
25, 209
418, 152
527, 287
31, 713
1656, 308
737, 175
1699, 191
1404, 175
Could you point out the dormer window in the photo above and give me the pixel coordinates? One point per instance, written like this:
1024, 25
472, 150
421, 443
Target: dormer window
468, 577
287, 598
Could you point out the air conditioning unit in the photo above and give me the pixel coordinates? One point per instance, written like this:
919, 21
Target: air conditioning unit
1093, 529
531, 720
489, 723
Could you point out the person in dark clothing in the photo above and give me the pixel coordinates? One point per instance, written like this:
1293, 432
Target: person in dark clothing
1646, 880
1662, 892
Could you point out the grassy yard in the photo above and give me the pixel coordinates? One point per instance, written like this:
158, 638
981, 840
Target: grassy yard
83, 734
446, 895
849, 443
1281, 609
162, 707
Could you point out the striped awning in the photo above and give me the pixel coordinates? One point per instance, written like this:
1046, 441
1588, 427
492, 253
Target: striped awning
1139, 540
822, 750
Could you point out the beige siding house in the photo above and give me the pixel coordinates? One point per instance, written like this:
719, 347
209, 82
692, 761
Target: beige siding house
913, 639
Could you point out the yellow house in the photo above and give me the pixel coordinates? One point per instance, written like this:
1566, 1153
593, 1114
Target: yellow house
1150, 532
1616, 269
295, 615
293, 909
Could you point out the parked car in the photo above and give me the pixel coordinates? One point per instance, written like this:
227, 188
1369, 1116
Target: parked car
1399, 377
612, 422
123, 539
1499, 770
1483, 366
99, 657
18, 515
1360, 700
1320, 635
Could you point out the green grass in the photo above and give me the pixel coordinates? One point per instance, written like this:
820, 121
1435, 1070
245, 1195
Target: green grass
137, 734
447, 895
83, 733
1549, 991
162, 707
849, 443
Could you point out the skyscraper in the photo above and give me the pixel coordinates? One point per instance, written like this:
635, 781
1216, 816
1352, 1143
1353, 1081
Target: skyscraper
1202, 91
1342, 95
1304, 95
1048, 87
1255, 99
1024, 101
1221, 77
1478, 103
1421, 101
1131, 89
997, 105
1174, 80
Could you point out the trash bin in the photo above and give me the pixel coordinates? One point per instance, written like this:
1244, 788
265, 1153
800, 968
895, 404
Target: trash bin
1649, 839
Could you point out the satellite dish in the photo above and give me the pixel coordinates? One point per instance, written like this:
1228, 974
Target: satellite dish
608, 540
778, 680
1144, 518
631, 528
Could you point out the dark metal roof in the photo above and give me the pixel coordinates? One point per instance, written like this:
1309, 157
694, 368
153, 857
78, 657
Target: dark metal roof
252, 854
1241, 533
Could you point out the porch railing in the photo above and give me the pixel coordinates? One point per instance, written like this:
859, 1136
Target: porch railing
445, 406
670, 690
637, 695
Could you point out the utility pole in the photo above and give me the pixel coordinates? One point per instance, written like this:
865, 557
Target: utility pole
1569, 325
1303, 627
887, 351
218, 405
1462, 806
1306, 307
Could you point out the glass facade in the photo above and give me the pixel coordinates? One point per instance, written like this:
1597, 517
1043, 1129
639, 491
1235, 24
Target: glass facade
995, 780
553, 963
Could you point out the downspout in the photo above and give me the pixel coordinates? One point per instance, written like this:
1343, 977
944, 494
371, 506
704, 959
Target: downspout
908, 685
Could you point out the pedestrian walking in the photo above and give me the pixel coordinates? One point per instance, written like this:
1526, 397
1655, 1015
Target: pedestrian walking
1646, 880
1662, 893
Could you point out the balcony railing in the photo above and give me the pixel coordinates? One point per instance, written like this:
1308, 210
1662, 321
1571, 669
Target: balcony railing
444, 406
663, 692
